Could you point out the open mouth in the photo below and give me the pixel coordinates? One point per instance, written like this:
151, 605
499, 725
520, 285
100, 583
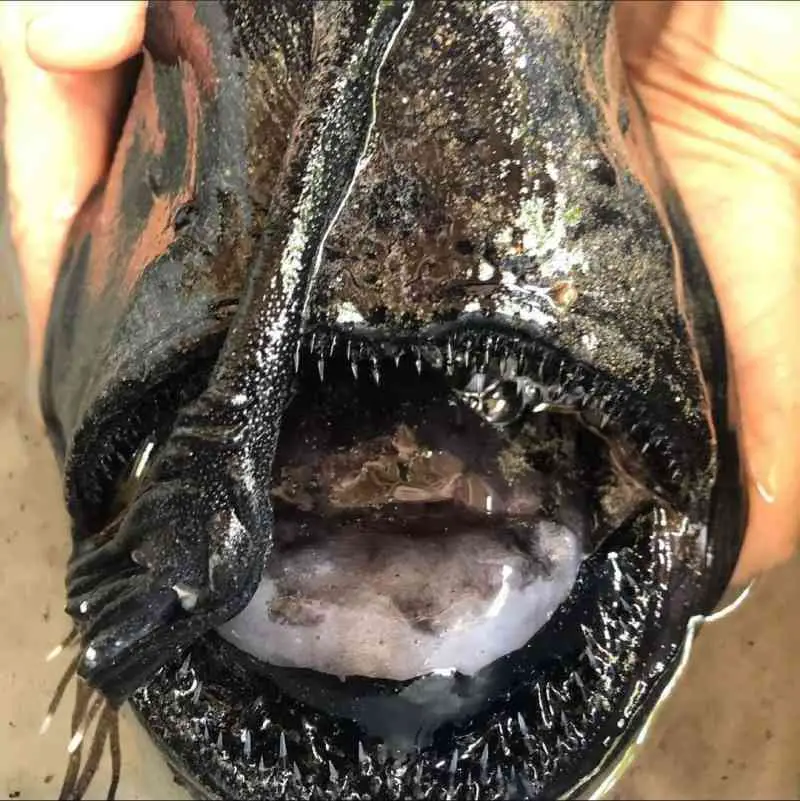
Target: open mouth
474, 538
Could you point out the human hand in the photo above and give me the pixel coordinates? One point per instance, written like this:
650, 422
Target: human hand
63, 85
720, 87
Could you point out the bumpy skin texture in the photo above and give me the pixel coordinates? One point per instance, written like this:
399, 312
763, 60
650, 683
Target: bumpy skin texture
486, 195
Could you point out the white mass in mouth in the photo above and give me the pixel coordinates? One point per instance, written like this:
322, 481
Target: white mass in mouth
389, 604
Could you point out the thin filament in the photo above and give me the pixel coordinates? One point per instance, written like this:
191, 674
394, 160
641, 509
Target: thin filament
61, 688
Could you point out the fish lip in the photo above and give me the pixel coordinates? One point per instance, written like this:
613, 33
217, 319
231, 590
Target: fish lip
596, 784
212, 785
613, 768
114, 408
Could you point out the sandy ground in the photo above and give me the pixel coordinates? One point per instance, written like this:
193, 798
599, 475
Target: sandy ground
731, 730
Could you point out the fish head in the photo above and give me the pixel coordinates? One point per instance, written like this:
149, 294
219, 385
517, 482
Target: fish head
456, 383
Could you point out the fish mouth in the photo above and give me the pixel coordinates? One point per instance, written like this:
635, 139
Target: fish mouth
538, 716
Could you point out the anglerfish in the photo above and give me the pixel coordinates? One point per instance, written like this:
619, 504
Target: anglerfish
392, 412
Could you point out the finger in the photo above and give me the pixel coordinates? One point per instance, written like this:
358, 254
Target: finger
68, 36
57, 142
720, 90
752, 247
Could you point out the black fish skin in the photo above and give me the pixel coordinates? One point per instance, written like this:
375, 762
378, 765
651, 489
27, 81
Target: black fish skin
486, 145
204, 482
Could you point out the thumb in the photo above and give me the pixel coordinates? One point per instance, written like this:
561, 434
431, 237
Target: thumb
68, 36
57, 126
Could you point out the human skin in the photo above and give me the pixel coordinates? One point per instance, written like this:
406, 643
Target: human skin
719, 83
720, 86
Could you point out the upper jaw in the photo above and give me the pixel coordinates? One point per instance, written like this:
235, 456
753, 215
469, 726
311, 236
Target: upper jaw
497, 350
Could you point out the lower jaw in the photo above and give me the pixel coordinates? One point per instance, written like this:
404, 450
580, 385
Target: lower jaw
251, 734
181, 773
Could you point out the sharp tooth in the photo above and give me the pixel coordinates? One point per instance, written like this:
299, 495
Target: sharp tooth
544, 709
397, 358
334, 342
513, 365
313, 345
418, 360
321, 368
297, 357
578, 681
453, 762
541, 368
477, 383
354, 368
349, 350
376, 373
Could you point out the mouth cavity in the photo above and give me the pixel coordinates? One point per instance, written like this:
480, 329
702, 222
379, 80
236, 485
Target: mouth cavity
435, 496
470, 532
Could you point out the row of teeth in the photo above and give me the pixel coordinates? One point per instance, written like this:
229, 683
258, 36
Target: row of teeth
487, 381
488, 378
447, 356
497, 377
547, 712
490, 385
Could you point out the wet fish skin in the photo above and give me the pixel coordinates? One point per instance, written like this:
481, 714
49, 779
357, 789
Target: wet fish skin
160, 279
